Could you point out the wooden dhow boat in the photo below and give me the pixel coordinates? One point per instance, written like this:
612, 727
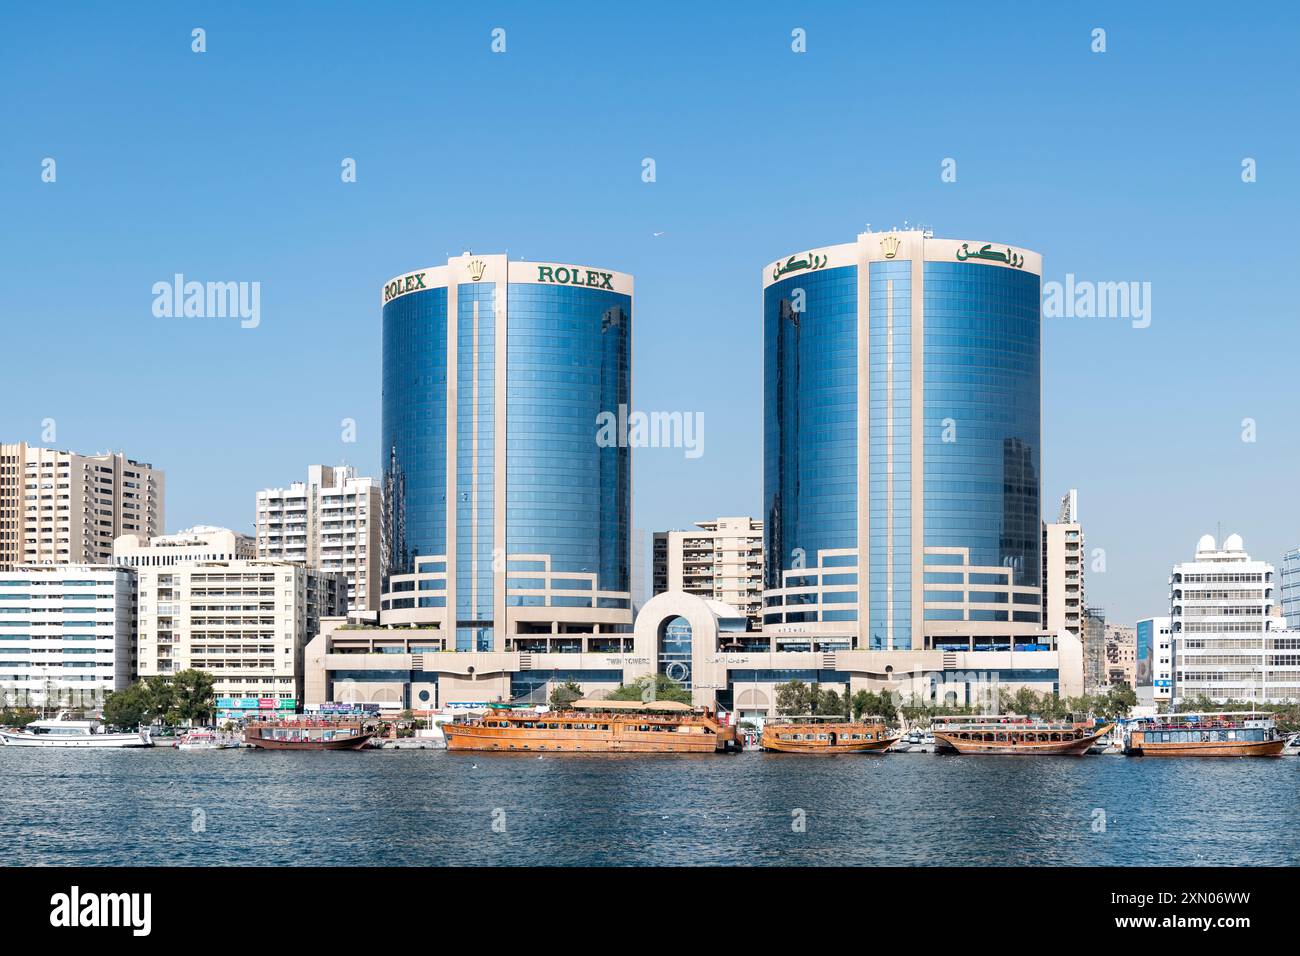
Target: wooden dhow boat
307, 734
803, 735
1239, 734
1020, 736
597, 726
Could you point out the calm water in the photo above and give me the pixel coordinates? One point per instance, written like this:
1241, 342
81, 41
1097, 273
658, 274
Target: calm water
129, 807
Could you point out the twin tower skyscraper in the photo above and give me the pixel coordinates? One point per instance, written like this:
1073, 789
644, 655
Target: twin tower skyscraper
901, 451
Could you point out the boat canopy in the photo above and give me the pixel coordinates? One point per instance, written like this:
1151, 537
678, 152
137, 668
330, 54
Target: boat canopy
670, 706
1210, 715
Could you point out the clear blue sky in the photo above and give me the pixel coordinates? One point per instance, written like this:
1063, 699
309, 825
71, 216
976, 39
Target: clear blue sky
225, 166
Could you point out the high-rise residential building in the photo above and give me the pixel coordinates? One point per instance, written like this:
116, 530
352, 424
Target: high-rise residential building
1063, 569
1155, 657
200, 543
721, 561
1121, 655
67, 634
507, 482
1095, 678
246, 622
902, 446
1291, 588
331, 522
1227, 643
58, 507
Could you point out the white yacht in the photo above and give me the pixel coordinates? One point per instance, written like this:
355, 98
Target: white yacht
63, 731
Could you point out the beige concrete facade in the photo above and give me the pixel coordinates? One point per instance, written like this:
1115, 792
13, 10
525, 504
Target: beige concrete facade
59, 507
330, 522
244, 621
198, 544
721, 561
1121, 655
1063, 569
401, 667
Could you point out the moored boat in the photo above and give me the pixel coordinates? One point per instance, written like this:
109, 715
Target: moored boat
205, 740
1239, 734
826, 737
63, 731
596, 726
307, 734
1016, 735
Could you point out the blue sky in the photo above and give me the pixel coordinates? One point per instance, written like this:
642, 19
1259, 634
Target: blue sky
1121, 166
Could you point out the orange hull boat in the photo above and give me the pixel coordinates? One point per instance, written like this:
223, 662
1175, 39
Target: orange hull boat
827, 738
592, 732
1227, 734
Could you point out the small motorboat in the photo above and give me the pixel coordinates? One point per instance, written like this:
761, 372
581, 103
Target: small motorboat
205, 740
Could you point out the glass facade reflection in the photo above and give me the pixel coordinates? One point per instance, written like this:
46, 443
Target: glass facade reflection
810, 448
414, 410
947, 458
568, 360
514, 374
982, 374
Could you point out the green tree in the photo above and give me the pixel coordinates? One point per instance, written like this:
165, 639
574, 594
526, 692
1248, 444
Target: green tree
17, 718
792, 698
1052, 707
657, 687
884, 707
1025, 701
157, 695
1121, 699
192, 696
831, 704
916, 710
128, 707
563, 695
861, 703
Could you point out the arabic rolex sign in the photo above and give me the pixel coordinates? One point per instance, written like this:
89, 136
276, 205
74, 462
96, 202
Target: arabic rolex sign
810, 260
1010, 257
563, 275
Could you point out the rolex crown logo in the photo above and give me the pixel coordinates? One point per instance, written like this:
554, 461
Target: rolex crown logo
476, 269
889, 245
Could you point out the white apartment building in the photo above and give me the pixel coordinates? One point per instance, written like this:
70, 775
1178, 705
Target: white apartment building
1063, 570
246, 622
1227, 643
331, 522
200, 543
67, 634
722, 561
58, 507
1155, 657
